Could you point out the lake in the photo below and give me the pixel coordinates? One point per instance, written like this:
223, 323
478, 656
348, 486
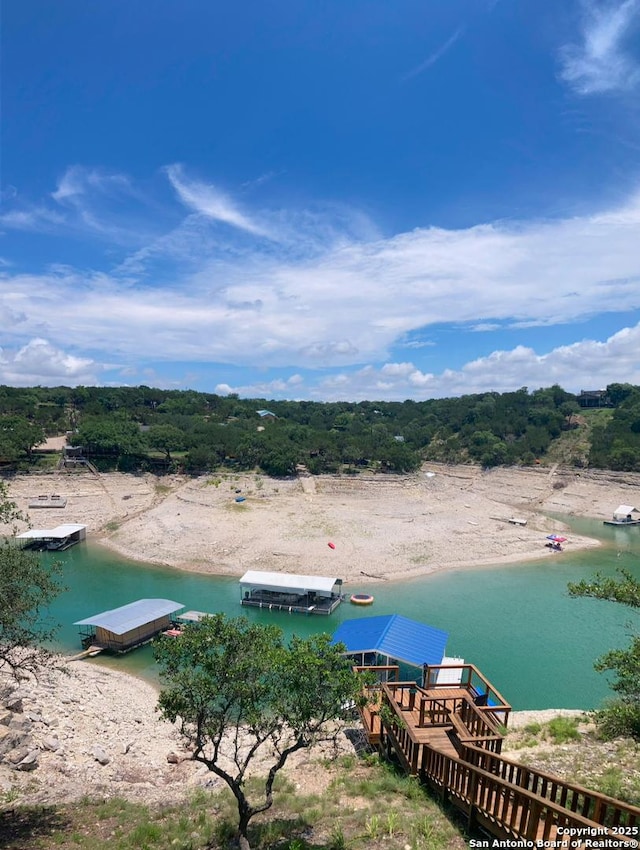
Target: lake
516, 623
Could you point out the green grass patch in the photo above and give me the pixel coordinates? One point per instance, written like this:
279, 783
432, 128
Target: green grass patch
361, 806
561, 730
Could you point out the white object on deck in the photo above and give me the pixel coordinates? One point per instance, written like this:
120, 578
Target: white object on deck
453, 675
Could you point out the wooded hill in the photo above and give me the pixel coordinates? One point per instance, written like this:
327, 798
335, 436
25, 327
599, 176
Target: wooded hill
141, 428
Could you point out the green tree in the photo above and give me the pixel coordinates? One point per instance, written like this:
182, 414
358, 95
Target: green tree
398, 457
240, 693
617, 393
114, 435
165, 438
26, 589
19, 435
279, 462
622, 714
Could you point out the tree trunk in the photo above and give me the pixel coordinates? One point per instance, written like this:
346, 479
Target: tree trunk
244, 816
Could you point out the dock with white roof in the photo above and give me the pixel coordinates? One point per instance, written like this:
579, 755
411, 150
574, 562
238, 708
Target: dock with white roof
58, 538
300, 594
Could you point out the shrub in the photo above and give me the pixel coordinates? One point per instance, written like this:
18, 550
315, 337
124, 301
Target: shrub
618, 718
563, 729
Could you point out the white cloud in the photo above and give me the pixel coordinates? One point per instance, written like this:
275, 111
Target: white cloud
604, 60
40, 363
209, 201
78, 180
278, 387
584, 365
35, 218
86, 203
347, 306
341, 298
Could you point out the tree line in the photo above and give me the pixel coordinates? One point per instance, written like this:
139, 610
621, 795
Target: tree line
142, 428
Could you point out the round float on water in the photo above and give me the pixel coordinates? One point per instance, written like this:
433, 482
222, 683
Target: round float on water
361, 599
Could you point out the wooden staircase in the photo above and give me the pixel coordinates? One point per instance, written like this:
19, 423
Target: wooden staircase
452, 744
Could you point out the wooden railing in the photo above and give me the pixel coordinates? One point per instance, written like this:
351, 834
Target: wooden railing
409, 696
468, 722
506, 809
471, 680
399, 697
471, 725
370, 708
383, 672
596, 807
508, 799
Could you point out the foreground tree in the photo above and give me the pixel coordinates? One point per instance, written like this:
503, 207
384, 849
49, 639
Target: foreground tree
621, 716
26, 589
242, 695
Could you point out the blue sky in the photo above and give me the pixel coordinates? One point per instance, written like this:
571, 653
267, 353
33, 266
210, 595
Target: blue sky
348, 199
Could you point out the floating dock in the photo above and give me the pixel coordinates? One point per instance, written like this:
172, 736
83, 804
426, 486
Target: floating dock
125, 628
295, 594
54, 539
623, 515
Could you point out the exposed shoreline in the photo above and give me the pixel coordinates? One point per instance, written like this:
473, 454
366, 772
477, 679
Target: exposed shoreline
94, 731
383, 527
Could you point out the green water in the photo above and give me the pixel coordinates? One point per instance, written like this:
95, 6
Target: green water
516, 623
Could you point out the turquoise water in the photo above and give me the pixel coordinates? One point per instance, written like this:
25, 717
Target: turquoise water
516, 623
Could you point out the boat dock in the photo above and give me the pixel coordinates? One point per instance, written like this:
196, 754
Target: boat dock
295, 594
123, 629
623, 516
181, 621
53, 539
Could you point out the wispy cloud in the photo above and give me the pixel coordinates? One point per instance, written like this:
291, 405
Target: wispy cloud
435, 56
250, 185
78, 180
604, 60
86, 203
36, 218
343, 298
209, 201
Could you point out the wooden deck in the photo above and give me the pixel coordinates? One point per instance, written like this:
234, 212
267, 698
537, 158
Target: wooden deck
450, 737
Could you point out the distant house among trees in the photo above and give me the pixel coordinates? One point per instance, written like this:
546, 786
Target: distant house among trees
266, 414
594, 398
